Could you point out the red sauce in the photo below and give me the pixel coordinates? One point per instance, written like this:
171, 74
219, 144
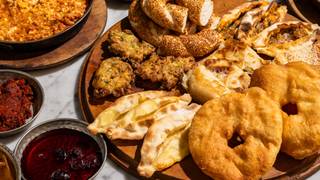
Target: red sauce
61, 154
15, 103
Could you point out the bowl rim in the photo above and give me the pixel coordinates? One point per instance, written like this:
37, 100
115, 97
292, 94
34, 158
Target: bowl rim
34, 117
13, 159
99, 136
87, 12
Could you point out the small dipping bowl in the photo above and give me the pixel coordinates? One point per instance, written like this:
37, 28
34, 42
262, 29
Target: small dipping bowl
13, 163
38, 97
38, 134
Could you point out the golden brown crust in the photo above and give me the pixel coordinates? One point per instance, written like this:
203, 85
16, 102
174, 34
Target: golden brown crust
254, 117
296, 87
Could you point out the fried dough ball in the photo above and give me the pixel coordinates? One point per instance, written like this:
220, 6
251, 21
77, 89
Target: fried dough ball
112, 77
296, 87
237, 136
128, 46
166, 70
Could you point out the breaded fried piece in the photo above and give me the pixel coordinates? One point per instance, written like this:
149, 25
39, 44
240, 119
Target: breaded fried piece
128, 46
112, 77
167, 70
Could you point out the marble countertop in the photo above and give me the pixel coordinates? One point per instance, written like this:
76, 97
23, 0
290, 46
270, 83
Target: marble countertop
61, 101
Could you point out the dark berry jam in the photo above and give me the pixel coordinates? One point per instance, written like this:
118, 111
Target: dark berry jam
61, 154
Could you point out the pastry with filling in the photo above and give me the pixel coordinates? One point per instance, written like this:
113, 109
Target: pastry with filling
166, 141
121, 106
226, 70
249, 19
290, 41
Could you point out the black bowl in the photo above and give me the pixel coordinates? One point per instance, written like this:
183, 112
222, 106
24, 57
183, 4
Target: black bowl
51, 41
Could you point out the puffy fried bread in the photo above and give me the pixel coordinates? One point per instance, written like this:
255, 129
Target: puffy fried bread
113, 77
166, 141
289, 42
123, 128
296, 88
237, 136
121, 106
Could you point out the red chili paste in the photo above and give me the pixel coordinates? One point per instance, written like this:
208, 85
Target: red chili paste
15, 103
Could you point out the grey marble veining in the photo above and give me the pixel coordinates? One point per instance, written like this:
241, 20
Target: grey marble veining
60, 85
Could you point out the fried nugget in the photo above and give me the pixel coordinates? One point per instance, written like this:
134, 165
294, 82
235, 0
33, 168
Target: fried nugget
166, 70
128, 46
113, 77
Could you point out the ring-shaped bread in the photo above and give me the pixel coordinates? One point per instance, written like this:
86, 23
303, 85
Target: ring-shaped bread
253, 117
296, 87
199, 44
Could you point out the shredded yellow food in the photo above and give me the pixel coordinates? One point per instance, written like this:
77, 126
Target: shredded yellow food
26, 20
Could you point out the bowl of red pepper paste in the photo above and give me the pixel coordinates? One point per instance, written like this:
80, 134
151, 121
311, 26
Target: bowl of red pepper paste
21, 99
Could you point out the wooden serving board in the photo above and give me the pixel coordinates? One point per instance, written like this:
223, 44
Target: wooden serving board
127, 153
68, 51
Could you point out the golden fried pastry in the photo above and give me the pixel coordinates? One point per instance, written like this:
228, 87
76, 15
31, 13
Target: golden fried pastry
296, 87
290, 41
173, 44
112, 77
121, 106
166, 70
237, 136
135, 123
226, 70
127, 46
249, 19
166, 141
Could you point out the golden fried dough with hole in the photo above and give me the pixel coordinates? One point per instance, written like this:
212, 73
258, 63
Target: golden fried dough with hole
113, 77
128, 46
296, 87
237, 136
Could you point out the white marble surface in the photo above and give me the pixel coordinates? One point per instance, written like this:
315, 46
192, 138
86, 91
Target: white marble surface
60, 86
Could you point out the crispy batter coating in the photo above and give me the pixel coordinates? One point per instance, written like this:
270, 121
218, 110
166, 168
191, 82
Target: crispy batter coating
296, 87
113, 77
128, 46
166, 70
252, 117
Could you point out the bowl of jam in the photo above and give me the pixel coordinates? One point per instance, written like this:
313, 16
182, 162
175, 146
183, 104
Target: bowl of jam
9, 167
21, 100
60, 149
